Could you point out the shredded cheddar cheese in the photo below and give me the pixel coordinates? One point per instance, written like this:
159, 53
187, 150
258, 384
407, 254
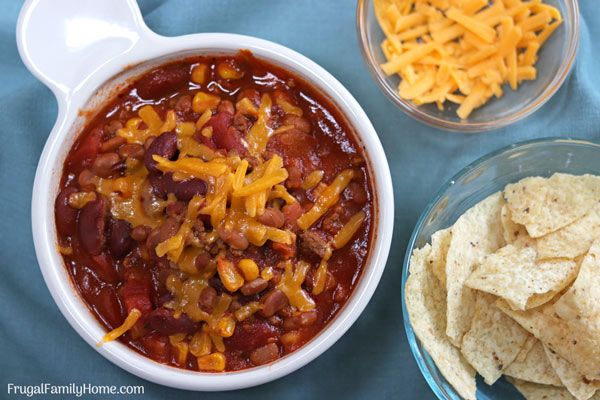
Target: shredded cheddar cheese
291, 285
131, 319
462, 51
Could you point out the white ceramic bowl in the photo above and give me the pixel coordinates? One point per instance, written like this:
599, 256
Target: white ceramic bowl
89, 51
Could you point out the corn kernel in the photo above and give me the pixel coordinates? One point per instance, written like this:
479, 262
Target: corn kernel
227, 71
200, 345
231, 278
225, 327
212, 362
80, 199
203, 101
249, 269
199, 74
289, 339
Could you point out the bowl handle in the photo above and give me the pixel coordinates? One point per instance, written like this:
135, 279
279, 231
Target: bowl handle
83, 35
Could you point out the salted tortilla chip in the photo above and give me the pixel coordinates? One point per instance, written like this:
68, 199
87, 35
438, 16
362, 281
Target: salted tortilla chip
426, 304
475, 234
526, 348
513, 232
544, 323
494, 339
576, 383
535, 391
535, 367
440, 243
514, 274
546, 205
572, 240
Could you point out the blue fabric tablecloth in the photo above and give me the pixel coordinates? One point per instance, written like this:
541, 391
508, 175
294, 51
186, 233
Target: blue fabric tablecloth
373, 359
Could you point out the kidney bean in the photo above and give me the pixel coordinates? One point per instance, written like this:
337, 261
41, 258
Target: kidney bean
235, 239
356, 193
226, 106
165, 146
300, 123
132, 150
264, 354
272, 217
112, 144
88, 147
120, 241
161, 82
208, 297
148, 142
65, 214
85, 180
92, 225
273, 301
109, 306
163, 322
183, 190
136, 292
254, 287
104, 164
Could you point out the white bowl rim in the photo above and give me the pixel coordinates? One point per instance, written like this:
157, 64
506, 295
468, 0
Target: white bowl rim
150, 46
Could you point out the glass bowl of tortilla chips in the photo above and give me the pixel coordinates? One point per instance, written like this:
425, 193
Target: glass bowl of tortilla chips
516, 319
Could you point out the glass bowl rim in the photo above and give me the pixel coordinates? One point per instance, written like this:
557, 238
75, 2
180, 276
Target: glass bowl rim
417, 113
413, 341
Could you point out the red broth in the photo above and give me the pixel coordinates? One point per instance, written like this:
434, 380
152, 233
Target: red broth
273, 175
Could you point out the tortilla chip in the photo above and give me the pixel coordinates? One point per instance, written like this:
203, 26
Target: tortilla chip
494, 339
535, 367
545, 324
572, 240
474, 235
513, 274
535, 391
546, 205
513, 232
575, 383
526, 348
426, 304
440, 242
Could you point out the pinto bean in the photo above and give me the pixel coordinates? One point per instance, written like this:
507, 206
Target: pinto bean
165, 146
112, 144
235, 239
168, 228
273, 301
291, 213
140, 233
132, 150
226, 105
92, 225
85, 179
184, 103
176, 210
254, 287
208, 297
272, 217
105, 164
264, 354
164, 322
161, 82
120, 241
202, 260
300, 123
294, 168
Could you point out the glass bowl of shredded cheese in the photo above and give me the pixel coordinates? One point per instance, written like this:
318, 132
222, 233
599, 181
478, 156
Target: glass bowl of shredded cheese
468, 65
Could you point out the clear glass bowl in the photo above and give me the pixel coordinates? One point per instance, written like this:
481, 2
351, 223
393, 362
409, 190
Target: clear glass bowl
489, 174
555, 60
